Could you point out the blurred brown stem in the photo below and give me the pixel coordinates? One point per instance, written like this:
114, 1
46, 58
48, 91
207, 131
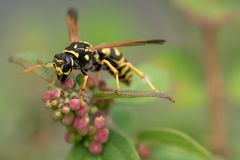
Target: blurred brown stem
214, 80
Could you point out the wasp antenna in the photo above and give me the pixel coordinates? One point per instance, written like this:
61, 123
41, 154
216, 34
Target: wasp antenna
72, 21
72, 12
32, 68
156, 41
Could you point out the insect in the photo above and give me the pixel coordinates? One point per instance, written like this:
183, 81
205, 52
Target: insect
82, 56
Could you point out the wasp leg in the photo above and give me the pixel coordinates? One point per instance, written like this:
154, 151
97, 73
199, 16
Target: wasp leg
82, 89
114, 70
53, 80
141, 74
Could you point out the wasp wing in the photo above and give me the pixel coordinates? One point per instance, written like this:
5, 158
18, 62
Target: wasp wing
72, 21
128, 43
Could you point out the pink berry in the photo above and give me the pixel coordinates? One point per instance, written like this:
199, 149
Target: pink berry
68, 83
99, 122
102, 135
95, 148
74, 104
80, 123
143, 151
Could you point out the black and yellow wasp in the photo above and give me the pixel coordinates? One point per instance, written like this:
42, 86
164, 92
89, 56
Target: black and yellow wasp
82, 56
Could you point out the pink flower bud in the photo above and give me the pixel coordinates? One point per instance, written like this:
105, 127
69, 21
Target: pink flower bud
102, 135
46, 96
74, 104
95, 148
68, 119
68, 83
82, 110
55, 93
80, 123
66, 109
99, 122
143, 151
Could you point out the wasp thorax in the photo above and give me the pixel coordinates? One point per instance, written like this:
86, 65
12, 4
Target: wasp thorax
63, 65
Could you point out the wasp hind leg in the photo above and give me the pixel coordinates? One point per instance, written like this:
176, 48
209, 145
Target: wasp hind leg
115, 71
141, 74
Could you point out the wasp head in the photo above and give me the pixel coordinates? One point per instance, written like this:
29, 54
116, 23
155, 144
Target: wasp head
63, 64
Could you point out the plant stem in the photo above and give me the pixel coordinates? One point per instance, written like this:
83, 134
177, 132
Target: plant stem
214, 82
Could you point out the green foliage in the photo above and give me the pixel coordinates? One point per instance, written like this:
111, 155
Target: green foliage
213, 10
175, 138
117, 148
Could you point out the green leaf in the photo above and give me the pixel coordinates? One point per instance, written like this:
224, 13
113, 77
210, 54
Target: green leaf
118, 147
26, 60
132, 94
176, 138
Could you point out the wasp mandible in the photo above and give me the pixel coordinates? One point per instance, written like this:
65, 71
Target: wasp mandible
84, 57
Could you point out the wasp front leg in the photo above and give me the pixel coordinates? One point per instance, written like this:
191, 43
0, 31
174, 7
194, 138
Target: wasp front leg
82, 89
114, 70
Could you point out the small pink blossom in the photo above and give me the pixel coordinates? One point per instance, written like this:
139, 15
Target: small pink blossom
143, 151
68, 119
55, 93
66, 109
46, 96
68, 83
74, 104
82, 110
99, 121
102, 135
80, 123
95, 148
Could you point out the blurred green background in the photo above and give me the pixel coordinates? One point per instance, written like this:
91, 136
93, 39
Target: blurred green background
39, 27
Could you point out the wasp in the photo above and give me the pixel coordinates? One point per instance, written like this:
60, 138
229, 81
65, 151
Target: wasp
84, 57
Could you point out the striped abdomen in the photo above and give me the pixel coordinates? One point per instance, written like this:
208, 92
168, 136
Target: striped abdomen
118, 61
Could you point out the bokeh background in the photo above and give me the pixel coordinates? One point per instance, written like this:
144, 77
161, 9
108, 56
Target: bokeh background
177, 68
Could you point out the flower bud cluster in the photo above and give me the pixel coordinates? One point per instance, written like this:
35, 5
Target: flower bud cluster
85, 124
